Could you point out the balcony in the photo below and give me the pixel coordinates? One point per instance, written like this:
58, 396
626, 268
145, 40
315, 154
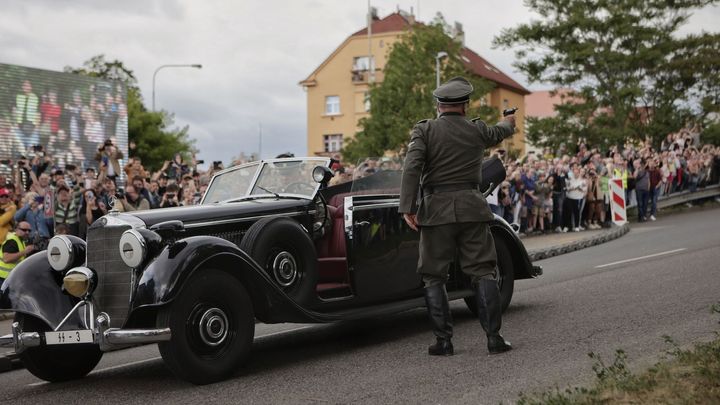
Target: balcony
361, 76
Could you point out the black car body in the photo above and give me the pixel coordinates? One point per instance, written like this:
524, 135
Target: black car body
269, 242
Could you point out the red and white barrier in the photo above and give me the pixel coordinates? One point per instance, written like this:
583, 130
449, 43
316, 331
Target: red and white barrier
617, 202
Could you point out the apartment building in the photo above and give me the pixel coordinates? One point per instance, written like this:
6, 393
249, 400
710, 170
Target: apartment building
337, 90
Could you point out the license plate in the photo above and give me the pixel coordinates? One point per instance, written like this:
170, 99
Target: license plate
68, 337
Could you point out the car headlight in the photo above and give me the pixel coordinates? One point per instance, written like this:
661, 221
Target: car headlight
133, 248
65, 251
80, 282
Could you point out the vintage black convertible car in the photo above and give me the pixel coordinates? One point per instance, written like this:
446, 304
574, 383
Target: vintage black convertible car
270, 241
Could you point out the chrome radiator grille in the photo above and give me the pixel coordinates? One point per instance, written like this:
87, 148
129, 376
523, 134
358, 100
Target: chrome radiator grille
112, 294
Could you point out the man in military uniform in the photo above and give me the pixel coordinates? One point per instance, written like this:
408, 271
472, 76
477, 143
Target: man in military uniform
444, 157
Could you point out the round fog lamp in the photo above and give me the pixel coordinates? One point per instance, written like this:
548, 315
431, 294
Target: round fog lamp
133, 248
79, 282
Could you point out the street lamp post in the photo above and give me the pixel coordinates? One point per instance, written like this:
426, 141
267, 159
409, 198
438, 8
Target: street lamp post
194, 65
439, 56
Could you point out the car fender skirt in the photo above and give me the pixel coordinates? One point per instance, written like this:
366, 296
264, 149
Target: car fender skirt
165, 276
34, 288
503, 233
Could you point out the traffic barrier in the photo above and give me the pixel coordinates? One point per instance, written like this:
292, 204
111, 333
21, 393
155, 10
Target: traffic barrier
617, 202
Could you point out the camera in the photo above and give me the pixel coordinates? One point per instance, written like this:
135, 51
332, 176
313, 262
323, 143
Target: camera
217, 164
120, 193
200, 161
169, 196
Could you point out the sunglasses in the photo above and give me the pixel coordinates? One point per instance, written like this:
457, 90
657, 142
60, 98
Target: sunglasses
4, 196
24, 229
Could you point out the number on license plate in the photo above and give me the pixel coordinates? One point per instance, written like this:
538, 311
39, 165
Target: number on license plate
66, 337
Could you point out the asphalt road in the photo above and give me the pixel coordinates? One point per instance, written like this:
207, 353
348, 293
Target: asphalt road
595, 300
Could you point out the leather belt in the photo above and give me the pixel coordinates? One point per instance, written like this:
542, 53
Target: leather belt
446, 188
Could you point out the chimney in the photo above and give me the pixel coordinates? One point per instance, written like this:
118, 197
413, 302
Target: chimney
458, 34
374, 13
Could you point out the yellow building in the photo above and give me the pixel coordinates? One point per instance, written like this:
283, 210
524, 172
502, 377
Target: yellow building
337, 91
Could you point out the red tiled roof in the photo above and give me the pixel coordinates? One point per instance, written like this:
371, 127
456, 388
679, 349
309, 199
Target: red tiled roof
475, 63
481, 67
392, 23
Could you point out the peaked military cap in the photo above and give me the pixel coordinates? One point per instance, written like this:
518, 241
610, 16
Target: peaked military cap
455, 91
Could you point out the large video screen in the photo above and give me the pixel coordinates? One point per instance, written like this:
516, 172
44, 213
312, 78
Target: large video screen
63, 116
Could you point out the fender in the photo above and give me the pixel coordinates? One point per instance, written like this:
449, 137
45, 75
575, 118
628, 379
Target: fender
34, 288
173, 266
521, 262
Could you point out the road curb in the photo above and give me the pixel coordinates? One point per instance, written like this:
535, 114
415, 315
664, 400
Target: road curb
607, 235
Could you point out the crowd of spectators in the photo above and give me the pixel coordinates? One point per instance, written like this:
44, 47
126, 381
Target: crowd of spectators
64, 200
568, 190
556, 191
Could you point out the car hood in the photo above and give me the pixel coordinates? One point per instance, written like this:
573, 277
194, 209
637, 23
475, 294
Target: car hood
219, 211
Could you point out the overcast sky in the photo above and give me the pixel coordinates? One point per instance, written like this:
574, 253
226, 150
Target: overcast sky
253, 53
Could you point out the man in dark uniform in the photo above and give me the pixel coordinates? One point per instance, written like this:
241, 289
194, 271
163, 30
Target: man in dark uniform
444, 158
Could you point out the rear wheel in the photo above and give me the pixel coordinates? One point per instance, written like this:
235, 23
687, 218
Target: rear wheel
56, 363
506, 278
212, 326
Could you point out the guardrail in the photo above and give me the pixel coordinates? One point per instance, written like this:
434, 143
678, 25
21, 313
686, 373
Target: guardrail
681, 197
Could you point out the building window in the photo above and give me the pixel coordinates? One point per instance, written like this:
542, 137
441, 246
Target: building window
363, 63
333, 143
332, 105
367, 101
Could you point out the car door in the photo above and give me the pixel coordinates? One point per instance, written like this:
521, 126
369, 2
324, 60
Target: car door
382, 249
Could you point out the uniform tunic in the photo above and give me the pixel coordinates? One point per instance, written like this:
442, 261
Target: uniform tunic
444, 152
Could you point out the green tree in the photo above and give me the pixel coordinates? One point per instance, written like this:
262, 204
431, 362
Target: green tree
151, 131
634, 76
405, 94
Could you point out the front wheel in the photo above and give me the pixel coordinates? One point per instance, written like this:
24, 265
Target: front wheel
506, 278
56, 363
213, 326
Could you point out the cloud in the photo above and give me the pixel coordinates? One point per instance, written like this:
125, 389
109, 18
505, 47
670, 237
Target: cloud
253, 54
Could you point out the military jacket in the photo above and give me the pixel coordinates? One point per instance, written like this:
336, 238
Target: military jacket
446, 151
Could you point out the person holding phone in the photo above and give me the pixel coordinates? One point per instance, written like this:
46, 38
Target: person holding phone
92, 209
32, 212
14, 249
170, 198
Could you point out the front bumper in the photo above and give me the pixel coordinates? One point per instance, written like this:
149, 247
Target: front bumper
103, 335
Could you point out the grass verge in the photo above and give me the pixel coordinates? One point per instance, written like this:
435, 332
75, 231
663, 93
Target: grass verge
684, 377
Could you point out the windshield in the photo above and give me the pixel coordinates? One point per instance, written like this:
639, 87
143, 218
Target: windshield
377, 175
289, 177
231, 183
277, 177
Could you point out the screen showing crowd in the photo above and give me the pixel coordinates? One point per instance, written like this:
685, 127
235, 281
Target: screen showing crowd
66, 115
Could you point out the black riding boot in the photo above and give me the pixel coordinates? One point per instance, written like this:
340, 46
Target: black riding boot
490, 314
439, 312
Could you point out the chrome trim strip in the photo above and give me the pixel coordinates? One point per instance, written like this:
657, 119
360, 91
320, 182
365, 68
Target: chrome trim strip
244, 219
348, 216
373, 206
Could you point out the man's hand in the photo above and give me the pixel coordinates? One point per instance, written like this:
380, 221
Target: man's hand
28, 249
411, 220
510, 118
